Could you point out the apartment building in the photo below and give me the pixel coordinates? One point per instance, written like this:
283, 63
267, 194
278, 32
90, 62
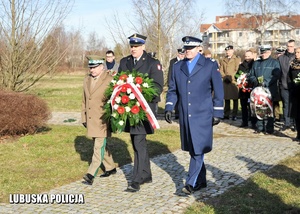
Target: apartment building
244, 31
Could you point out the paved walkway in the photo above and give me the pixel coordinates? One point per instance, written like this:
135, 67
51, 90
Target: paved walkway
235, 157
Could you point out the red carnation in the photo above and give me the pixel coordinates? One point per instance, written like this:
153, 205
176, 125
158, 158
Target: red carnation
139, 80
124, 88
121, 110
123, 77
125, 99
135, 109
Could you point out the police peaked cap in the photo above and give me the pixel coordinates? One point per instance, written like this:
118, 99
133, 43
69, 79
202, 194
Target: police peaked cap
189, 41
137, 39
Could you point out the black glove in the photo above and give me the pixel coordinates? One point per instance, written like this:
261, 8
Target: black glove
168, 115
215, 121
84, 124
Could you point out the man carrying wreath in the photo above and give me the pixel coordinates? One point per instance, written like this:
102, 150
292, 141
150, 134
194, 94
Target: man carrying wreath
142, 62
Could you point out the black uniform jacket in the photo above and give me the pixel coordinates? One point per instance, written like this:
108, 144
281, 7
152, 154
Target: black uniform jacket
151, 66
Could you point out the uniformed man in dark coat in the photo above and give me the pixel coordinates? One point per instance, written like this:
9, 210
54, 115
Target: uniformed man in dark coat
191, 86
142, 62
180, 56
265, 72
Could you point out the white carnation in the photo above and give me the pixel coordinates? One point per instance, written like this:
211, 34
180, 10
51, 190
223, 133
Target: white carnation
116, 106
128, 90
130, 79
120, 82
138, 104
118, 99
145, 85
121, 122
114, 82
113, 114
127, 108
131, 96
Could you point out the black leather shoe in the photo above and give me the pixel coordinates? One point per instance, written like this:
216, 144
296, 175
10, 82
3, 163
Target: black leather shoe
257, 132
134, 187
147, 180
233, 118
200, 186
225, 117
108, 173
269, 132
284, 128
244, 125
188, 189
88, 179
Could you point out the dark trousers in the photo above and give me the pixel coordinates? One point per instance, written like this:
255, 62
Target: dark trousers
285, 96
227, 108
197, 171
245, 110
266, 125
141, 167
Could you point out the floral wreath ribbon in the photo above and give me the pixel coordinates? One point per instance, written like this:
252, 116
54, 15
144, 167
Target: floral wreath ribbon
152, 119
260, 97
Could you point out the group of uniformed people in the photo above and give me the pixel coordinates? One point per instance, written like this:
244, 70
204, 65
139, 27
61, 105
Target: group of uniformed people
193, 78
197, 88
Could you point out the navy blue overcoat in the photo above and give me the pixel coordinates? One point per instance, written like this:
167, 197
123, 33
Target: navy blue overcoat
200, 97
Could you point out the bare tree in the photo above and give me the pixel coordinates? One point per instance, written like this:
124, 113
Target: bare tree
28, 45
75, 54
164, 22
264, 13
95, 45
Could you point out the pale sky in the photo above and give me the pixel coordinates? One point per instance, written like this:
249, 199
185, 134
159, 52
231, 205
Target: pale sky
88, 15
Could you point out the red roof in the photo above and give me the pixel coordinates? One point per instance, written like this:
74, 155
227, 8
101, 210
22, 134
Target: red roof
247, 21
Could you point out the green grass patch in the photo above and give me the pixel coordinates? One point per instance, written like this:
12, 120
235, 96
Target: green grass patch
275, 191
60, 155
62, 92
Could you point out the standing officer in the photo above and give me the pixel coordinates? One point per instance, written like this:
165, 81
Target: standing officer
180, 56
265, 72
142, 62
228, 68
284, 60
193, 80
92, 111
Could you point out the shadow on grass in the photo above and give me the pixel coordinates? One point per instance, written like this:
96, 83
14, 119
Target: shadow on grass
85, 147
262, 193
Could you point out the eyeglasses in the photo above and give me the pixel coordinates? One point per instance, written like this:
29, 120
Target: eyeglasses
109, 56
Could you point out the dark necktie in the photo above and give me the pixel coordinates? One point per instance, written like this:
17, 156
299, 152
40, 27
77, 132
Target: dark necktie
134, 61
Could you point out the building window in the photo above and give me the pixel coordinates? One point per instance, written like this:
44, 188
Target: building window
240, 34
